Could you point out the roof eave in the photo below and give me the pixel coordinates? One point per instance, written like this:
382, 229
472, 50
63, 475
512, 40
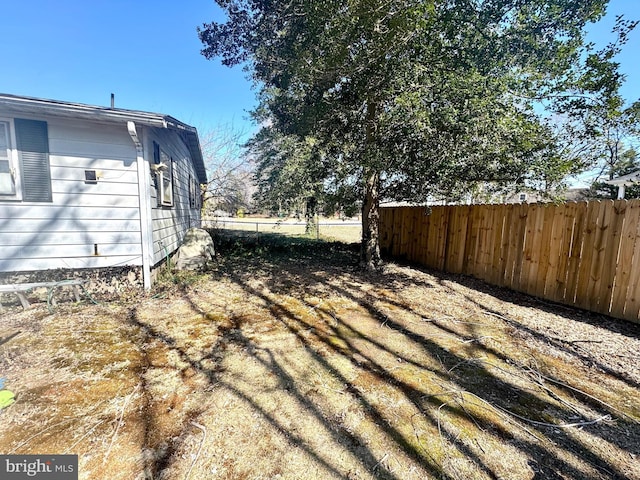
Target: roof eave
37, 106
627, 180
44, 107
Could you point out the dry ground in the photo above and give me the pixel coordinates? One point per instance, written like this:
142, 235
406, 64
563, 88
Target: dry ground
287, 362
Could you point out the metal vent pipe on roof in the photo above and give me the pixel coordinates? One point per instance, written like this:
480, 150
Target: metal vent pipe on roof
113, 100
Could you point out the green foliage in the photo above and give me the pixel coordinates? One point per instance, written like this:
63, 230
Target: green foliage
628, 163
598, 125
294, 176
408, 99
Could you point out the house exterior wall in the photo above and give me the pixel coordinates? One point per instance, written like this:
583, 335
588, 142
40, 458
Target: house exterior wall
170, 223
87, 225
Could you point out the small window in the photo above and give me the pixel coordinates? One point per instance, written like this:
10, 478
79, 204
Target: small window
192, 200
7, 170
165, 179
25, 173
523, 197
193, 192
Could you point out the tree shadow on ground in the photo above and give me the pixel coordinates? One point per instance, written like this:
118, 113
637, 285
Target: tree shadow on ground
475, 390
623, 327
231, 335
571, 347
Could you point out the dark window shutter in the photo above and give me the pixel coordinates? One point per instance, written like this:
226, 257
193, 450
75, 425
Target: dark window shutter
33, 146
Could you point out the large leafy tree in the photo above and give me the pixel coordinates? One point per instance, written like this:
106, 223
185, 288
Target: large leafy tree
293, 175
598, 124
414, 98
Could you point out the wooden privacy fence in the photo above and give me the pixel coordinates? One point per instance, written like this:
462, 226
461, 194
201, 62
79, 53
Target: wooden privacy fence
584, 254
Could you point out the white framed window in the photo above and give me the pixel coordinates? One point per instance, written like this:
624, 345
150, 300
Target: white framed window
25, 171
8, 171
194, 193
523, 197
165, 180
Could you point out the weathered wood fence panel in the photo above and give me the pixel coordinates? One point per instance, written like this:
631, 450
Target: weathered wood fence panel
583, 254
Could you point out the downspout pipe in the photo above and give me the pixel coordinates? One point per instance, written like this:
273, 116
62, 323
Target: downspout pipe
144, 196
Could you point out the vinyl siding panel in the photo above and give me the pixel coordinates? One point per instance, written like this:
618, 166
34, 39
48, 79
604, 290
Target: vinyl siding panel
88, 226
65, 232
108, 176
169, 224
69, 238
68, 251
58, 212
35, 264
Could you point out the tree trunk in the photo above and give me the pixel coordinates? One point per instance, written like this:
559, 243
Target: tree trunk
310, 216
370, 252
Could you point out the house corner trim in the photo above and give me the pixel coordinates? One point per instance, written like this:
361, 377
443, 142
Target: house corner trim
144, 197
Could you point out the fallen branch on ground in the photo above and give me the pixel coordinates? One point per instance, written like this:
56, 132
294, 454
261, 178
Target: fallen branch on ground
115, 433
195, 459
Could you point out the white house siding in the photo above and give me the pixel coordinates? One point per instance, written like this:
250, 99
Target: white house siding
169, 224
83, 217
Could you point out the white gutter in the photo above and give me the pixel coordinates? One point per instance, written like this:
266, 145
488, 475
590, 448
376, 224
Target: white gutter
144, 195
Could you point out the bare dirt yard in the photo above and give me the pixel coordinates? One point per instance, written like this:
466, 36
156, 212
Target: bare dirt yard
285, 361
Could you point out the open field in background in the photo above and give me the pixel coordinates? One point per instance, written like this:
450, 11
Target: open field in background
331, 229
286, 361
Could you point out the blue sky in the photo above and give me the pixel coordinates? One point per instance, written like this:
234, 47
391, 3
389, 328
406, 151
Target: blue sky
147, 53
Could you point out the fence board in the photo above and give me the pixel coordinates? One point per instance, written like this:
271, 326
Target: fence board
470, 246
451, 241
556, 290
393, 230
497, 260
522, 215
597, 255
432, 239
628, 240
481, 241
407, 230
506, 258
575, 255
544, 242
494, 239
582, 254
586, 255
632, 305
527, 254
492, 248
611, 248
417, 236
442, 234
387, 229
555, 247
459, 239
486, 232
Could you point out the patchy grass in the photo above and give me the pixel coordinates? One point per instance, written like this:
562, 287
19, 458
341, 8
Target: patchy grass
288, 362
